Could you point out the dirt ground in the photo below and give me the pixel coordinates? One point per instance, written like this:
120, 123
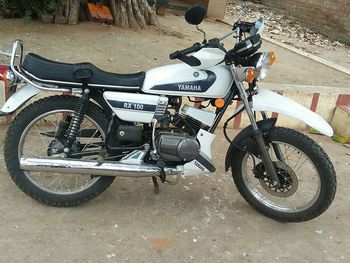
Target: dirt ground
202, 219
120, 50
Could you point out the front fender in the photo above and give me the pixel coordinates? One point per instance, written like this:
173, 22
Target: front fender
20, 97
267, 100
245, 137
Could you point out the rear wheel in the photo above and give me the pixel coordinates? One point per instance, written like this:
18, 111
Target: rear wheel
32, 133
307, 176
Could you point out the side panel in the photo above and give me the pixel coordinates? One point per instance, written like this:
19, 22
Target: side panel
267, 100
133, 107
20, 97
183, 80
199, 165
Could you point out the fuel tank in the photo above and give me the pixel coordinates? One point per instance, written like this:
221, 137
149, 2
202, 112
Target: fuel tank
184, 80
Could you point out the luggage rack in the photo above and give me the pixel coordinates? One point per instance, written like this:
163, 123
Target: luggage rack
18, 44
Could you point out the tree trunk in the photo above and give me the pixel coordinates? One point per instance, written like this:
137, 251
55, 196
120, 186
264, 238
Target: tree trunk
73, 16
133, 13
67, 12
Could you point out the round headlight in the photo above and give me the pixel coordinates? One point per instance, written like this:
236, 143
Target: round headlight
263, 64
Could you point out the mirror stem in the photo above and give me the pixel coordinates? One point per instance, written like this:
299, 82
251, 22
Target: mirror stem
202, 31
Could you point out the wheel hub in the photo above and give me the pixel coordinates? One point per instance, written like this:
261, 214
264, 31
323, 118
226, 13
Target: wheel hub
56, 147
286, 176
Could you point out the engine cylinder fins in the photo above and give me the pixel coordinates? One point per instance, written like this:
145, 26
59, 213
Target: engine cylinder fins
190, 124
205, 117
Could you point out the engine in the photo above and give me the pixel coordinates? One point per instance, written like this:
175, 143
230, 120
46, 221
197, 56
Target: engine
177, 147
181, 145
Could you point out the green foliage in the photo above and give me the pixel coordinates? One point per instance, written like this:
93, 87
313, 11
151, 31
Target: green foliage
7, 4
30, 7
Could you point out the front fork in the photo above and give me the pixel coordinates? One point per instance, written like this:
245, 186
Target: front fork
258, 136
276, 147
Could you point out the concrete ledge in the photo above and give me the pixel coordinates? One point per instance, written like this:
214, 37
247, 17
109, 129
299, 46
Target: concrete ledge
304, 88
320, 99
341, 121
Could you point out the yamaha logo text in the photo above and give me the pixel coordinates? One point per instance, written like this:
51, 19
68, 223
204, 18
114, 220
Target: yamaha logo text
184, 87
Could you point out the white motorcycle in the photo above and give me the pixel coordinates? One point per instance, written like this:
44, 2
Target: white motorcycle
67, 149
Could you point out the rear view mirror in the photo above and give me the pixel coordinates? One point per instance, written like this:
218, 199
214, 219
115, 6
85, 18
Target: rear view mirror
195, 15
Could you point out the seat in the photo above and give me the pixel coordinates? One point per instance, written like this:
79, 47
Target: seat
65, 74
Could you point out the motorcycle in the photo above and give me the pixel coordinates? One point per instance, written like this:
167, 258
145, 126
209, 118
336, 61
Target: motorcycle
66, 149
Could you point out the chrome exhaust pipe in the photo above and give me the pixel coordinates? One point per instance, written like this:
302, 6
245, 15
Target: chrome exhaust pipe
72, 166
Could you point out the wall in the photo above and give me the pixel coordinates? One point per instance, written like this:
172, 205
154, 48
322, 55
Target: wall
329, 17
216, 8
203, 3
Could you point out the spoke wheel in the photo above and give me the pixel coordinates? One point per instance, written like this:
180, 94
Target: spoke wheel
300, 181
37, 141
32, 134
306, 174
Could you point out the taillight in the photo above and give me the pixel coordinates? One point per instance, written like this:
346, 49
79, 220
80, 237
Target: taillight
3, 71
7, 76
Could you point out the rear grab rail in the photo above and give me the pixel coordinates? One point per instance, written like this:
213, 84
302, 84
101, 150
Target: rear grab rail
19, 44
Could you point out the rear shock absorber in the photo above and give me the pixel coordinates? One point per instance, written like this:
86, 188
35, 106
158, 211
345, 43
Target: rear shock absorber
76, 120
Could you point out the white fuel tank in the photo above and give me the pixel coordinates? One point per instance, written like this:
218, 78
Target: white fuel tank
184, 80
209, 57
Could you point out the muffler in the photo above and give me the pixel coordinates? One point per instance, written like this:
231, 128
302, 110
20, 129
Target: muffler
73, 166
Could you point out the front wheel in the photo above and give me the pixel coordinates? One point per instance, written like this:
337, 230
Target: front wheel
305, 171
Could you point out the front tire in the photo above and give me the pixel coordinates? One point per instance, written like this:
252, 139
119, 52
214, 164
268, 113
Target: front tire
37, 117
283, 203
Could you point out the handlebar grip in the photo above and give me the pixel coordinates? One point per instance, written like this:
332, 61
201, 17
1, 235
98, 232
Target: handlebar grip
174, 55
194, 48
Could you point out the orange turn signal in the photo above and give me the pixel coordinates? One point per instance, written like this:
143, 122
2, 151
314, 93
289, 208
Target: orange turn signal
250, 75
272, 57
219, 103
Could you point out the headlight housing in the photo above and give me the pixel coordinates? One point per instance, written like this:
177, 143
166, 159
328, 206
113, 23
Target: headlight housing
263, 64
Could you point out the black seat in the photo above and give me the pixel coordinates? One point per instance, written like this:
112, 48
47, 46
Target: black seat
64, 74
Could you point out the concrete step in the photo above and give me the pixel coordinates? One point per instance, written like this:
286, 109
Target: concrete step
341, 121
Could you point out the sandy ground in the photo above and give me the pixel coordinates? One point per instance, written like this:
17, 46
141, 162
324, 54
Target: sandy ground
202, 219
120, 50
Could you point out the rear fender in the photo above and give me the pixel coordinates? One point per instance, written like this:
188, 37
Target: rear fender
245, 138
20, 97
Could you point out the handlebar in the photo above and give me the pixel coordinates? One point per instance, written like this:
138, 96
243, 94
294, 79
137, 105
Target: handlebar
243, 26
196, 47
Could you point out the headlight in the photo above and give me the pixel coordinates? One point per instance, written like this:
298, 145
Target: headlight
263, 64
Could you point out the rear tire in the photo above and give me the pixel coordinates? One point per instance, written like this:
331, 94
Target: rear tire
321, 163
12, 151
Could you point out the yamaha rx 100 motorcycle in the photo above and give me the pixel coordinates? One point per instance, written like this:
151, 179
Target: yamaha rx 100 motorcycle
67, 149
